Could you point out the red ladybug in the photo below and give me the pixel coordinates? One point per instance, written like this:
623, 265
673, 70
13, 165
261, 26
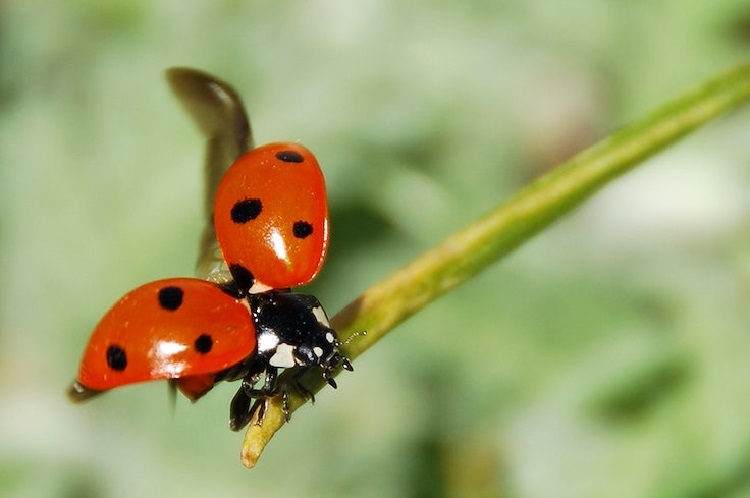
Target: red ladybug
270, 218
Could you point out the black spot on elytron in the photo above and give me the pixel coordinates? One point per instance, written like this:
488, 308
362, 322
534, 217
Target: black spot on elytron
204, 343
116, 358
243, 277
170, 298
302, 229
244, 211
289, 156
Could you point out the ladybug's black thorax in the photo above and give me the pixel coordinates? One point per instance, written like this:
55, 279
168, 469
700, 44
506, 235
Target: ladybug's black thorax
288, 316
292, 329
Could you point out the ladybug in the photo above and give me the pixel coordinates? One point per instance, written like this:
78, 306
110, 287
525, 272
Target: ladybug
270, 222
196, 333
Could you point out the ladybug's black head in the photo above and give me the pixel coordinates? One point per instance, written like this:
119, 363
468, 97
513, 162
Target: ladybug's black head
320, 348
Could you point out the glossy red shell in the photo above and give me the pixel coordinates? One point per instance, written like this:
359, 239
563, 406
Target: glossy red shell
271, 215
201, 330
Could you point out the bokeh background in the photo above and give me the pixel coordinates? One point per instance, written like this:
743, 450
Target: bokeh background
609, 357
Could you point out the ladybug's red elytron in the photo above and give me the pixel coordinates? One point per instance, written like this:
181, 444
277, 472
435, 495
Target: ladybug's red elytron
267, 215
271, 217
176, 328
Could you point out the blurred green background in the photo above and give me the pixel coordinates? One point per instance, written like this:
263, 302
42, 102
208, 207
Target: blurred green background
607, 358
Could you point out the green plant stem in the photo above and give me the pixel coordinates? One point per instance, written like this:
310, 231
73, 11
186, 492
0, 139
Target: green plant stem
465, 253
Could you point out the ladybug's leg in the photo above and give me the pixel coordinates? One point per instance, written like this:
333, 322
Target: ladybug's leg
328, 368
297, 385
346, 364
285, 405
327, 377
266, 391
242, 408
241, 411
269, 383
268, 388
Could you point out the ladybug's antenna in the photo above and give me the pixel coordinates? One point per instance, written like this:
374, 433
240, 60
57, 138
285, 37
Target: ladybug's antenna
352, 337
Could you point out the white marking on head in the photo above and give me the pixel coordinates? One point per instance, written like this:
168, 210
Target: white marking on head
318, 351
330, 338
283, 357
321, 316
